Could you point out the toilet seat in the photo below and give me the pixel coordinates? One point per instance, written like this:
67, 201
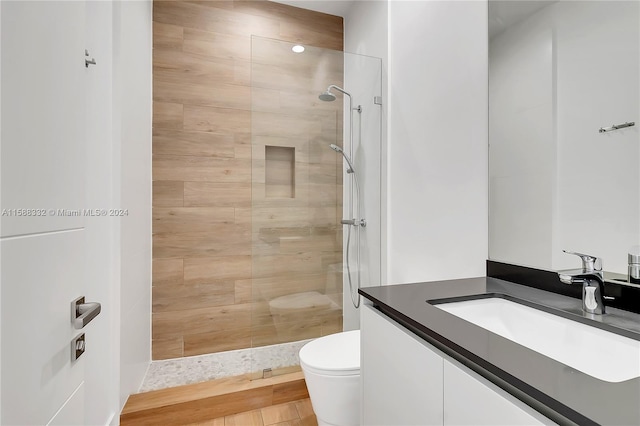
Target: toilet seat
333, 355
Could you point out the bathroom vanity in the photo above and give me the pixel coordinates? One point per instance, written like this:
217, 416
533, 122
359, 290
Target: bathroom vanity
423, 365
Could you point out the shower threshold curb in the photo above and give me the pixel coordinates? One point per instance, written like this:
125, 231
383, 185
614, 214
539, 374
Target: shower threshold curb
211, 400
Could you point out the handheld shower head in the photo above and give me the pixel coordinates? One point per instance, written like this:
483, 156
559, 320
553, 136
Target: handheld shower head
339, 150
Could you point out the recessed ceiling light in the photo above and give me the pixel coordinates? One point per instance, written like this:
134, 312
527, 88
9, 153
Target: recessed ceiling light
297, 48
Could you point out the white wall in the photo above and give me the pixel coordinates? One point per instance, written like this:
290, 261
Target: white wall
366, 33
363, 188
365, 29
132, 127
0, 220
101, 370
437, 140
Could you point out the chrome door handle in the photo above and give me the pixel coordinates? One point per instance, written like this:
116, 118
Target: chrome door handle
82, 313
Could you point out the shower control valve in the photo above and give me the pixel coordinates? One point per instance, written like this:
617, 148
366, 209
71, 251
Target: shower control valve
354, 222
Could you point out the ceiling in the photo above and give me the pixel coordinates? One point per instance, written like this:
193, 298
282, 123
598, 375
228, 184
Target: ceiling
502, 13
331, 7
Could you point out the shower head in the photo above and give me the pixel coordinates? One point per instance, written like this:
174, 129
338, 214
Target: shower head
327, 96
339, 150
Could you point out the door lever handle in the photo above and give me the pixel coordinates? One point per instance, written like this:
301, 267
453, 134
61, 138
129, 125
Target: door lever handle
82, 313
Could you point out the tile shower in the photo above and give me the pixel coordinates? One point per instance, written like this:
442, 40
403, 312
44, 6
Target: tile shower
247, 196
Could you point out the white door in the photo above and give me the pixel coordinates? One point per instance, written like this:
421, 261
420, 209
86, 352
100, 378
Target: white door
43, 238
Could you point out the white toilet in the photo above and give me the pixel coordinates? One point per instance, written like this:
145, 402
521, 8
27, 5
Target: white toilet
331, 367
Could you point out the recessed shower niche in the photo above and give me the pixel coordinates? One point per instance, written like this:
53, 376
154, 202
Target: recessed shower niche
280, 171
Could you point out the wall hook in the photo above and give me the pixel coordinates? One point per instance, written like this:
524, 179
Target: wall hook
88, 62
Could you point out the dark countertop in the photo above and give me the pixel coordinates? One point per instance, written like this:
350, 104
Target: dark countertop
560, 392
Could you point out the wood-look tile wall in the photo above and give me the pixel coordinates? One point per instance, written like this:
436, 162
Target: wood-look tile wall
214, 114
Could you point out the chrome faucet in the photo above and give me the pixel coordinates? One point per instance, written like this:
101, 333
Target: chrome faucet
592, 279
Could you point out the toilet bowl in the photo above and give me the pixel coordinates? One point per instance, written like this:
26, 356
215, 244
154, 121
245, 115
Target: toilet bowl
331, 367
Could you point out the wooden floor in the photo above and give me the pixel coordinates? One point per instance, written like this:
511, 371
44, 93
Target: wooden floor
296, 413
239, 400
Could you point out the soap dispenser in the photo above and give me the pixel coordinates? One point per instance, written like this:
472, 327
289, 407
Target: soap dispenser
634, 265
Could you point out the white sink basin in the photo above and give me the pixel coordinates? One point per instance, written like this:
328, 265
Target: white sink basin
596, 352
